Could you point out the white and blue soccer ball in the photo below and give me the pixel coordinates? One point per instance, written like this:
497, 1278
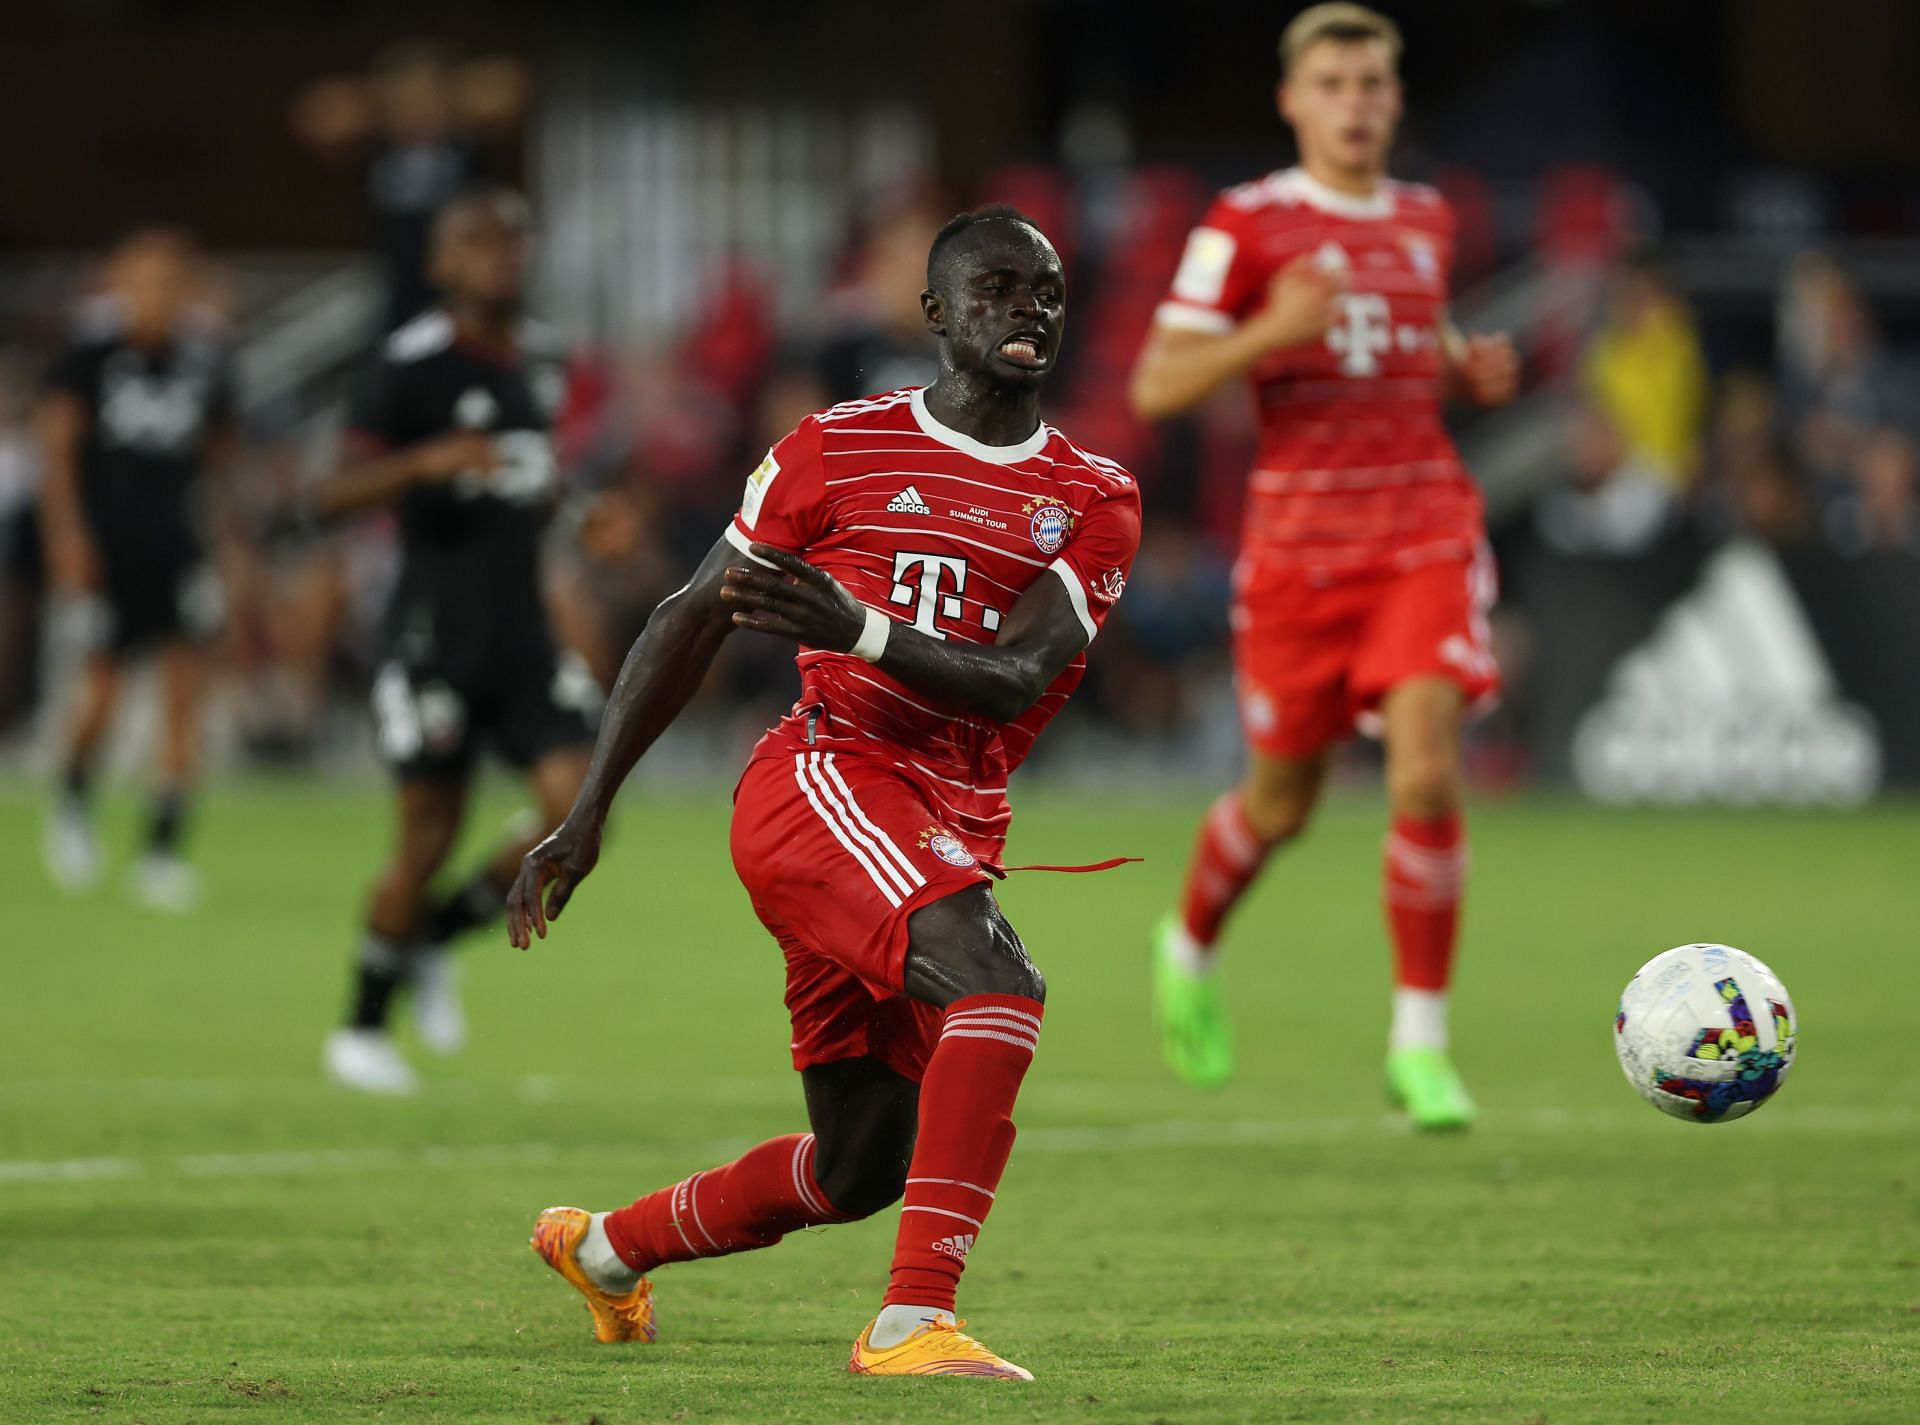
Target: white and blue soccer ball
1705, 1033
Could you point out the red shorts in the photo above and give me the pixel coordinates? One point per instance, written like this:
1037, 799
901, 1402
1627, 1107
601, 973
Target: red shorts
837, 850
1311, 661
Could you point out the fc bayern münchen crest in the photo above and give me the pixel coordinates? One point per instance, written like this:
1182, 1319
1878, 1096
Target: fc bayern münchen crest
1420, 253
947, 847
1050, 526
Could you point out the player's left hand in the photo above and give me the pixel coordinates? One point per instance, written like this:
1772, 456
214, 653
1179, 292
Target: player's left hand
1488, 370
561, 862
794, 600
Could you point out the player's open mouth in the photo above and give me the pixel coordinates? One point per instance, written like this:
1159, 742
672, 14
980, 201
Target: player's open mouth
1025, 349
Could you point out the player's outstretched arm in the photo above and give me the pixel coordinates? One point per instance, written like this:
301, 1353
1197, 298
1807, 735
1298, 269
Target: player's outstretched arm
1002, 679
357, 485
1178, 369
662, 672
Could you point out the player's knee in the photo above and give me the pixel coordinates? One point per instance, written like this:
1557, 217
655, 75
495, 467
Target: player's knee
861, 1187
1007, 969
962, 945
1424, 787
1276, 814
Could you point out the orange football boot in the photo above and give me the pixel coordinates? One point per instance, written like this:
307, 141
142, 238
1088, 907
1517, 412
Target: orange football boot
940, 1348
556, 1237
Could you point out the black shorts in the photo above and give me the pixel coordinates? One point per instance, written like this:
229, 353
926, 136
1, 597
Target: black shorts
430, 722
151, 599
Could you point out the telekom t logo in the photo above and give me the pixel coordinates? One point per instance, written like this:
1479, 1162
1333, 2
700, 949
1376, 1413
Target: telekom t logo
1360, 333
922, 591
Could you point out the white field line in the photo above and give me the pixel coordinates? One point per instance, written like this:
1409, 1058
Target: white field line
1109, 1138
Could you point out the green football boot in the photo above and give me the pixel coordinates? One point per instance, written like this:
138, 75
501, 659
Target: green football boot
1422, 1081
1193, 1027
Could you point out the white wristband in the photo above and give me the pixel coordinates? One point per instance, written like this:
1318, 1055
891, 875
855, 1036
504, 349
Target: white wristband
872, 641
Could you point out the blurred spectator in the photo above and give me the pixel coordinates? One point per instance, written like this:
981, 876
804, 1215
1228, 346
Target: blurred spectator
1767, 495
426, 127
1611, 502
1172, 624
1644, 370
1838, 384
1877, 513
874, 338
1753, 481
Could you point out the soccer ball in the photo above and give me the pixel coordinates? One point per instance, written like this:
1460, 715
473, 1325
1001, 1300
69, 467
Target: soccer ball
1705, 1033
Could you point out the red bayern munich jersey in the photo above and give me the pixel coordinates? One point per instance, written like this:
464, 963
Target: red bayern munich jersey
1355, 470
942, 532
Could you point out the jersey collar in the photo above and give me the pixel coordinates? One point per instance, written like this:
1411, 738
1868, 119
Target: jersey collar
967, 445
1310, 190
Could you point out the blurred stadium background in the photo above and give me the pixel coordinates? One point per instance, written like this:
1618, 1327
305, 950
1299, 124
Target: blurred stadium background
1698, 221
1701, 224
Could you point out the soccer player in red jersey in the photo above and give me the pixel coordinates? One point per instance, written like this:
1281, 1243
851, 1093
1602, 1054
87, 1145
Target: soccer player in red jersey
942, 557
1362, 581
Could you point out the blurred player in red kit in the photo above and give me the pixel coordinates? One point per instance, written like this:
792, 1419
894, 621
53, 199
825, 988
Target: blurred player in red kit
1362, 581
942, 557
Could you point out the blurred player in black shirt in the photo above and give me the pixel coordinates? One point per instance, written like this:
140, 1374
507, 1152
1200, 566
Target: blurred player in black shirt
135, 411
426, 127
449, 428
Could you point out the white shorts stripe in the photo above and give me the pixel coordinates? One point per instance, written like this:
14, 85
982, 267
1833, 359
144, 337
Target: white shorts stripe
970, 1221
1028, 1044
906, 883
806, 788
913, 872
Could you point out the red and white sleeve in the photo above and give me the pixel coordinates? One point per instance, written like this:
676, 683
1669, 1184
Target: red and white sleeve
785, 503
1099, 556
1220, 278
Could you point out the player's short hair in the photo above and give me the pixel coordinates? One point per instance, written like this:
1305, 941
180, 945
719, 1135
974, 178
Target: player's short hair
157, 238
963, 222
490, 196
1341, 23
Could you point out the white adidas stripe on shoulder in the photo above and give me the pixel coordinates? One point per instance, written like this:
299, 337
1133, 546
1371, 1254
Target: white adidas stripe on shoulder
846, 410
1098, 463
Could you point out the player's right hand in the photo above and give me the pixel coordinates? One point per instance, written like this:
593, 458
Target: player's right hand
456, 453
551, 871
1301, 301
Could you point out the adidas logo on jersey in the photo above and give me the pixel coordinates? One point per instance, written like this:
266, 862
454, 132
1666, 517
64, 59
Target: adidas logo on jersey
908, 502
956, 1246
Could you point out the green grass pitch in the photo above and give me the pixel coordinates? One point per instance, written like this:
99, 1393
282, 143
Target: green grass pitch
193, 1227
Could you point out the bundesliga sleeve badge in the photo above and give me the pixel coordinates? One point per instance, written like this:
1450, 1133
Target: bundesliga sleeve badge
756, 491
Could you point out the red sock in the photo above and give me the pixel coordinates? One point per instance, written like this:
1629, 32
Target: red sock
966, 1133
1425, 870
751, 1202
1227, 855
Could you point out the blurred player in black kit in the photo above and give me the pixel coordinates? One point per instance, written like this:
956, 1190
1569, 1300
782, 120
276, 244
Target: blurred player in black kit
450, 429
136, 410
